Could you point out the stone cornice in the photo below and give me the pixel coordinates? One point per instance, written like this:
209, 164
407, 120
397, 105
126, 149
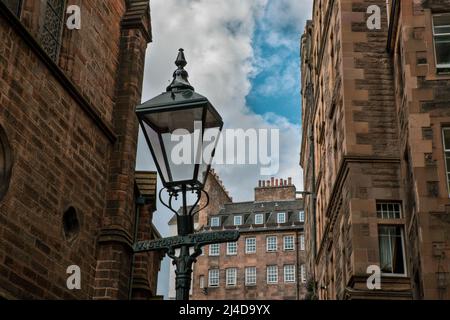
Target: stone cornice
137, 16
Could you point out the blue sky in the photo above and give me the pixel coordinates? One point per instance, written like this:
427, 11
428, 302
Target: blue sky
244, 56
276, 85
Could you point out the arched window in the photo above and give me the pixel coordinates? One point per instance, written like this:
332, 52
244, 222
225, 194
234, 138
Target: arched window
5, 163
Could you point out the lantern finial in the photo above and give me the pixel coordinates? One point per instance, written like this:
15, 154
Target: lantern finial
180, 76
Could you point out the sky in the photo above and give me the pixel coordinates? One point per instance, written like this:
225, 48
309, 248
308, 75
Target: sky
243, 55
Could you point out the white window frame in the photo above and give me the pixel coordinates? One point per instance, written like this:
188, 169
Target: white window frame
232, 245
281, 214
268, 248
212, 252
285, 247
301, 216
272, 278
302, 242
250, 274
213, 274
303, 273
237, 220
446, 152
442, 66
201, 282
388, 210
402, 235
261, 216
214, 223
251, 245
231, 277
289, 270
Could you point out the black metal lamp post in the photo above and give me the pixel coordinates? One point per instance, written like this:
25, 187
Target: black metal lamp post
177, 115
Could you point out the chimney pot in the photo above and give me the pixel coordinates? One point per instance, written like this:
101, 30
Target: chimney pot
290, 181
276, 182
259, 183
272, 181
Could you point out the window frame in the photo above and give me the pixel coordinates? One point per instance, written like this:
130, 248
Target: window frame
301, 216
283, 214
380, 214
293, 243
445, 151
210, 271
272, 267
303, 273
229, 253
262, 218
210, 253
234, 278
433, 26
247, 276
214, 219
302, 242
267, 243
252, 245
293, 273
240, 220
402, 236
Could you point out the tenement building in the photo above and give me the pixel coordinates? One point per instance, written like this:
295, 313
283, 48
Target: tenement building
268, 261
376, 148
70, 201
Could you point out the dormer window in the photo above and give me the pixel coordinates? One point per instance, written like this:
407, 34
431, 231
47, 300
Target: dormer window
281, 217
301, 216
237, 220
259, 218
215, 222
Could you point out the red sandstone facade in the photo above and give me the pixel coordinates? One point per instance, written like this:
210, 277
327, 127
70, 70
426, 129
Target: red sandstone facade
243, 272
68, 134
376, 114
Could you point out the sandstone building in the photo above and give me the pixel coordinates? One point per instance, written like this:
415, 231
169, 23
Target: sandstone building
375, 148
268, 261
68, 137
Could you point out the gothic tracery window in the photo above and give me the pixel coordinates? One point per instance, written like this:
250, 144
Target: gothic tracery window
51, 31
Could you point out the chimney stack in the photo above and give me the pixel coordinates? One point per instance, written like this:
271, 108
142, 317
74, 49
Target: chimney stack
275, 189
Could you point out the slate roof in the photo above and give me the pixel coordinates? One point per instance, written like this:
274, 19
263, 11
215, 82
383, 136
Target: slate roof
270, 210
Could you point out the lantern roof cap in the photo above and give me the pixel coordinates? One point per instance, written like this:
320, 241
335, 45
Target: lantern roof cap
180, 76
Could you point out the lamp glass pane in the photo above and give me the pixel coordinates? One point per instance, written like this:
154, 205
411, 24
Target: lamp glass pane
158, 155
210, 139
180, 155
180, 132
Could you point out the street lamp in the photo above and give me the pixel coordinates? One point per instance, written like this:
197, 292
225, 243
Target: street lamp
176, 125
